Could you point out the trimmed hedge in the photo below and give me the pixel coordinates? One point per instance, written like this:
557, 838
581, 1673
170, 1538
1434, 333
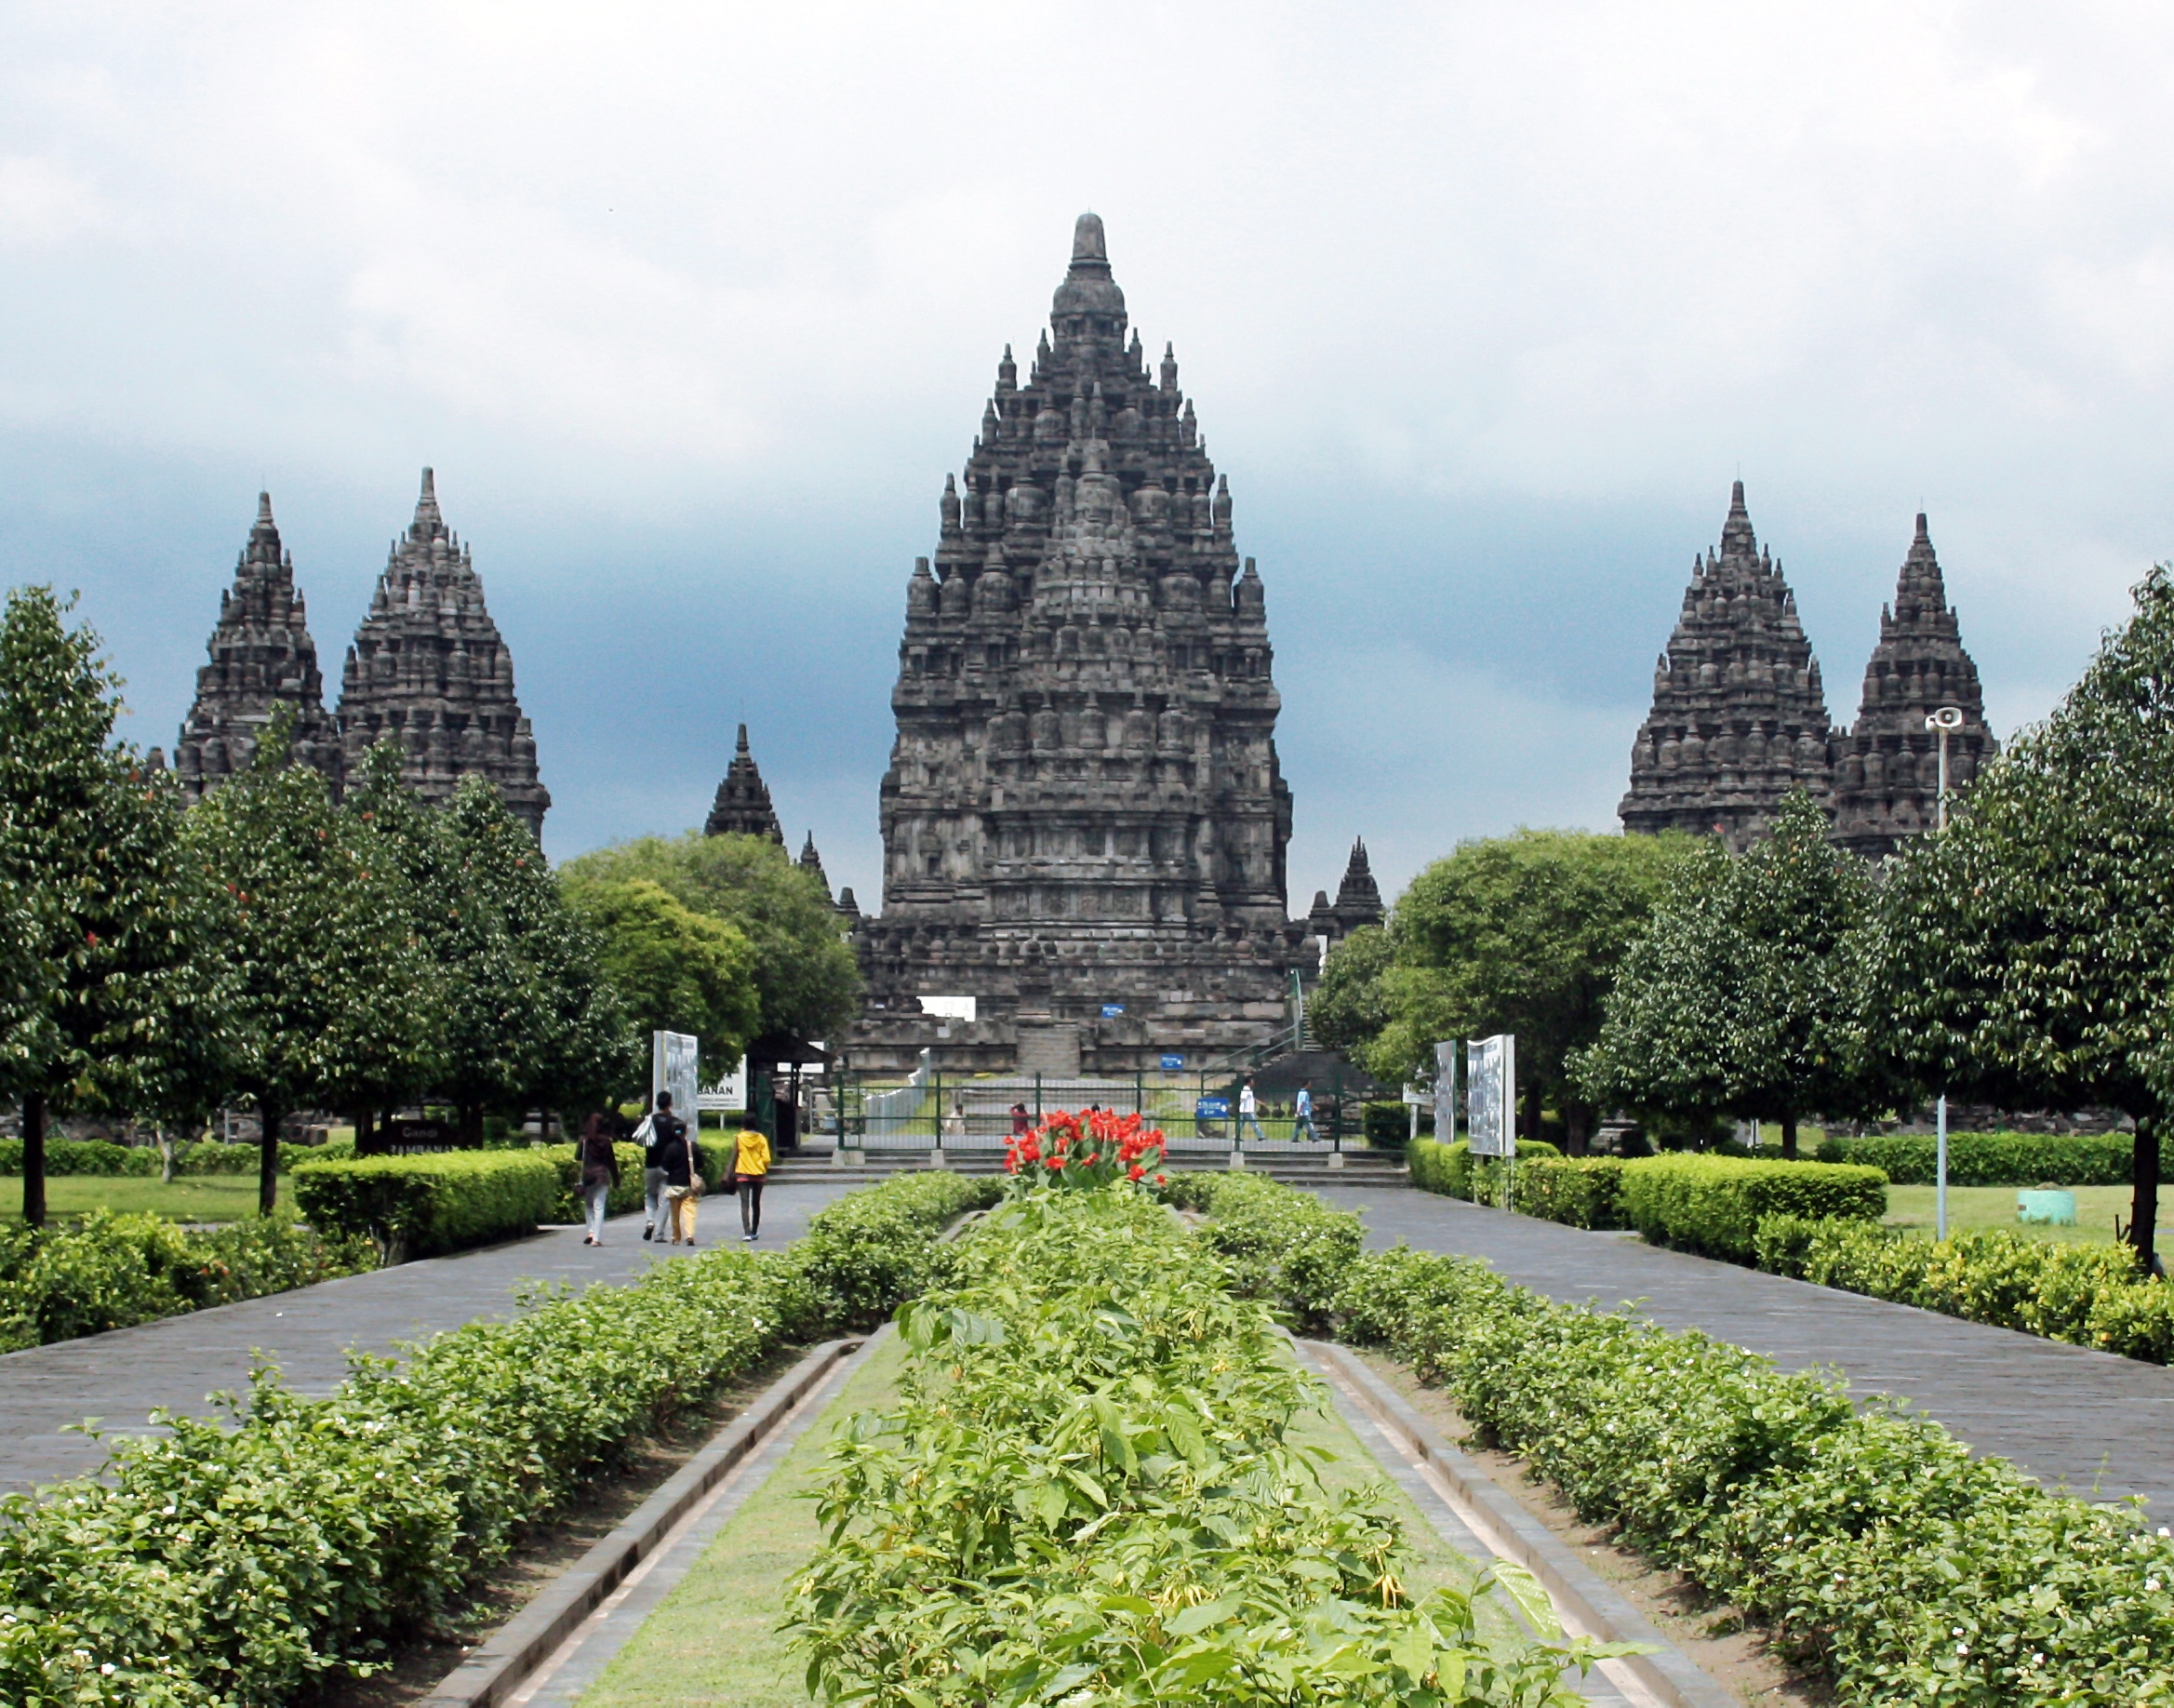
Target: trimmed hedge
109, 1272
411, 1207
1872, 1544
247, 1562
2082, 1295
1388, 1125
1999, 1159
99, 1156
1585, 1192
1712, 1205
1280, 1245
1453, 1171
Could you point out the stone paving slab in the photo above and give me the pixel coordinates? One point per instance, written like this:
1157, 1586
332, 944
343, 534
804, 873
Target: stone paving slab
121, 1377
2097, 1425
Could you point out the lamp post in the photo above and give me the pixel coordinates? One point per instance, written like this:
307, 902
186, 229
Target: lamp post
1947, 719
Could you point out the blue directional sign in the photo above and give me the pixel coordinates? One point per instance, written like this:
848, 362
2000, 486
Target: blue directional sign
1172, 1064
1212, 1109
1111, 1011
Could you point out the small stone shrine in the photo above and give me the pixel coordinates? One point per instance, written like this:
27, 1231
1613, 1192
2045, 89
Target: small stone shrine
261, 655
428, 667
1887, 768
1358, 903
742, 806
1739, 715
1084, 821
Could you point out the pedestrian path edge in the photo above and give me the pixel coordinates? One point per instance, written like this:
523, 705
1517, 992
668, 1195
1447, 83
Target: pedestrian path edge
1515, 1535
506, 1658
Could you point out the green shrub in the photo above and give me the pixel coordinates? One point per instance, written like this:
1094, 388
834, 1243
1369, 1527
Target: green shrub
1388, 1125
1453, 1171
1283, 1246
1073, 1502
1998, 1159
108, 1272
1712, 1205
864, 1254
1873, 1544
2083, 1295
1585, 1192
413, 1206
246, 1562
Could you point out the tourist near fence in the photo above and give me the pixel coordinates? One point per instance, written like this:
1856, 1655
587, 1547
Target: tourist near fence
750, 1167
599, 1171
1249, 1112
1302, 1111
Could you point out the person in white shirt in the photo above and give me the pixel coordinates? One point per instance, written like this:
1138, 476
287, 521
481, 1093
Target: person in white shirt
1302, 1127
1249, 1112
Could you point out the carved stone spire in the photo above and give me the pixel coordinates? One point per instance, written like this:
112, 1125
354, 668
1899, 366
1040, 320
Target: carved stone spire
1358, 898
430, 668
1738, 717
260, 656
1887, 768
742, 806
810, 862
1084, 812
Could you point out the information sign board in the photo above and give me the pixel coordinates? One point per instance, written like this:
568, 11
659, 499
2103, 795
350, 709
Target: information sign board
1490, 1104
1213, 1109
1172, 1064
1111, 1011
676, 1065
1445, 1092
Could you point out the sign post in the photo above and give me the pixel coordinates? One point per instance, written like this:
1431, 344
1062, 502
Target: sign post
676, 1065
1444, 1094
1491, 1105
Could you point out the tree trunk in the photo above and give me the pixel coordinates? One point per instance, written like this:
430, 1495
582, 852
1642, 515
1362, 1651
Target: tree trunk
269, 1120
2143, 1211
34, 1160
1577, 1127
165, 1155
472, 1126
365, 1137
1531, 1121
1788, 1135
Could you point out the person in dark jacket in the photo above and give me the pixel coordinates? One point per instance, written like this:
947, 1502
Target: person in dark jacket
599, 1160
675, 1156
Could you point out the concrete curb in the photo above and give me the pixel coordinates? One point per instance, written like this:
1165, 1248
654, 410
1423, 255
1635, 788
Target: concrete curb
517, 1648
1578, 1593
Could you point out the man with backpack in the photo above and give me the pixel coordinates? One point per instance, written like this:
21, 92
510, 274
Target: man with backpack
657, 1127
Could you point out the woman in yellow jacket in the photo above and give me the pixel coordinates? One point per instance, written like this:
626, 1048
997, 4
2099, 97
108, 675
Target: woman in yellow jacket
749, 1167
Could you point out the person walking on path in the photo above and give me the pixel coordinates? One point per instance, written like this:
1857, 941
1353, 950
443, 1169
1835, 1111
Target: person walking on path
1302, 1127
1249, 1112
751, 1167
674, 1155
647, 1136
599, 1161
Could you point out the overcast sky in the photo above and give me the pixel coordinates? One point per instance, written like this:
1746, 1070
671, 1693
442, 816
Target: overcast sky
1483, 307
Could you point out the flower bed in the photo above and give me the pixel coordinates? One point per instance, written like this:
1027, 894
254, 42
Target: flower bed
1872, 1544
109, 1272
241, 1563
1086, 1494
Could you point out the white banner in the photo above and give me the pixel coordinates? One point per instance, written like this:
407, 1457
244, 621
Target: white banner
1491, 1106
1446, 1093
675, 1064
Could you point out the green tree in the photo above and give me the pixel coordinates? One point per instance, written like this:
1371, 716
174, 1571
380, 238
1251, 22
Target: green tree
806, 975
1349, 1008
2025, 957
675, 969
326, 986
1746, 994
1520, 934
95, 921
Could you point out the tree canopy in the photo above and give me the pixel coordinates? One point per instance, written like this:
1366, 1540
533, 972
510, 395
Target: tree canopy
1519, 934
1349, 1008
1745, 995
677, 970
807, 980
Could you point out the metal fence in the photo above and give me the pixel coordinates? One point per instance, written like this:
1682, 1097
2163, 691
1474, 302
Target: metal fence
1197, 1110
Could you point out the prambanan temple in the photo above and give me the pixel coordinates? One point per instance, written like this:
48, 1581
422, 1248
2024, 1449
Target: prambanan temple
1740, 717
427, 667
1084, 820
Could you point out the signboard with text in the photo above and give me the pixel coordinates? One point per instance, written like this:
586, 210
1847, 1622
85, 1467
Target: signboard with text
1172, 1064
1445, 1092
1212, 1109
676, 1065
1490, 1071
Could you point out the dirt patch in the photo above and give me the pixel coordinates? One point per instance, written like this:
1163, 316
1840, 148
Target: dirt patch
543, 1550
1713, 1634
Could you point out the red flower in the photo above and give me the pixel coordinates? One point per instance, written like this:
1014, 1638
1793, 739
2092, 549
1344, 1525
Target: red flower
1135, 1171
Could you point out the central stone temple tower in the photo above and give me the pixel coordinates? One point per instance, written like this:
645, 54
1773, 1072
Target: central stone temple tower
1084, 821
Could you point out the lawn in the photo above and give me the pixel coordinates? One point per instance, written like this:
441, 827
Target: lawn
1974, 1207
198, 1198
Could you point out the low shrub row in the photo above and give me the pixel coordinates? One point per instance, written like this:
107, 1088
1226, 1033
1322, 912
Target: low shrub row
413, 1206
99, 1157
1280, 1245
1585, 1192
1089, 1493
1714, 1204
242, 1563
1872, 1544
1998, 1159
2083, 1295
109, 1272
1455, 1173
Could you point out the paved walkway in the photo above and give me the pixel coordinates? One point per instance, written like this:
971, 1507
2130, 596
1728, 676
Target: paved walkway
2099, 1425
123, 1376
